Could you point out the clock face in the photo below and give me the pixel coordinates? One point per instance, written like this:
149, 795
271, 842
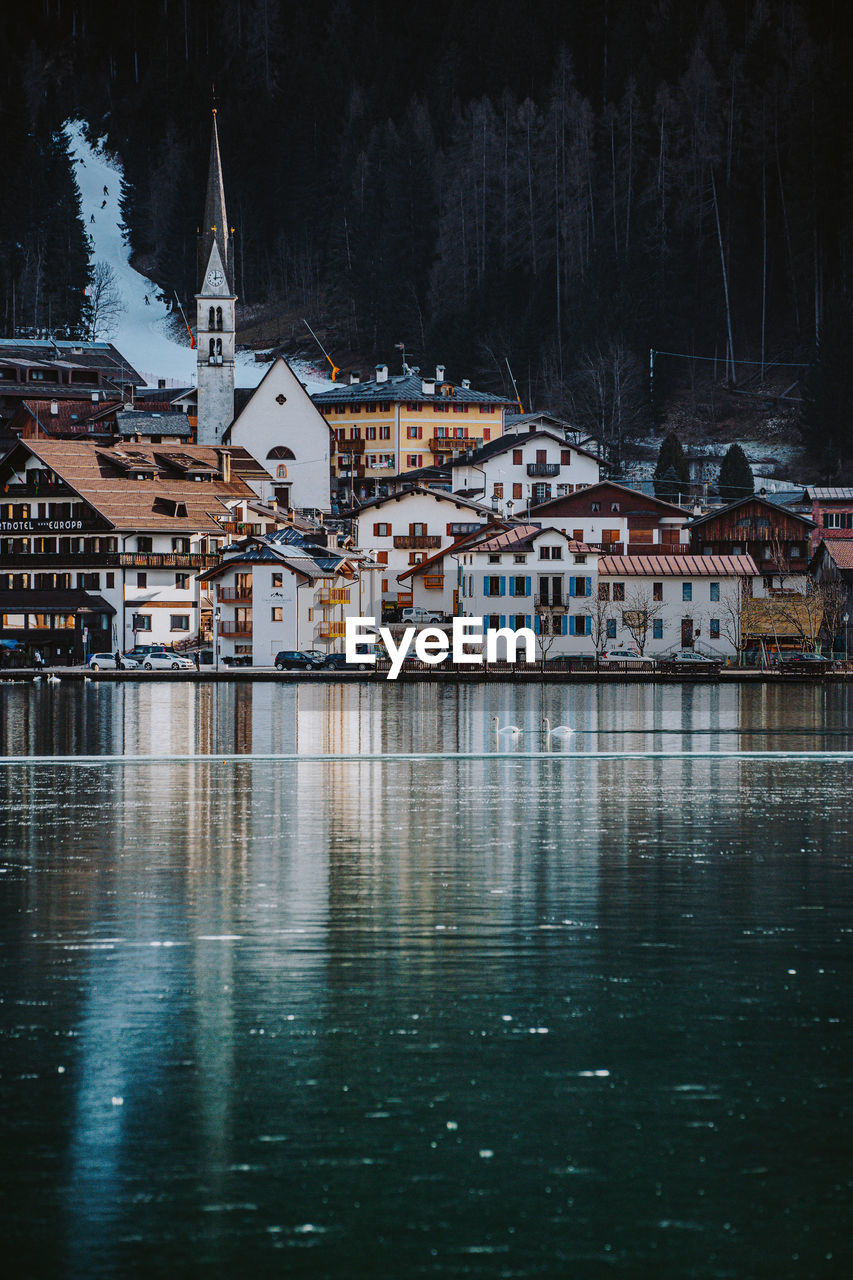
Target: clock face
215, 279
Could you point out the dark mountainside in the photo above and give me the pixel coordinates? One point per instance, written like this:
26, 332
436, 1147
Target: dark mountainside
562, 185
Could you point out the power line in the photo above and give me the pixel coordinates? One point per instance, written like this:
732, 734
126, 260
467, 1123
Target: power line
768, 364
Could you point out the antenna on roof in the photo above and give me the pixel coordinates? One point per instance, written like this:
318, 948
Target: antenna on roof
514, 387
335, 369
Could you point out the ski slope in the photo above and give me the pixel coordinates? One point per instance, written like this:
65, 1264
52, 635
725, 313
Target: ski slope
145, 333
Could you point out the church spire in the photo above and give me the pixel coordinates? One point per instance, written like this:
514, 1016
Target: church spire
214, 227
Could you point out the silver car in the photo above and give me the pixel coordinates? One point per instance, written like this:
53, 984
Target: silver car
167, 662
107, 662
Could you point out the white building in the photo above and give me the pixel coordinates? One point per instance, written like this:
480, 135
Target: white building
285, 592
282, 428
407, 527
519, 471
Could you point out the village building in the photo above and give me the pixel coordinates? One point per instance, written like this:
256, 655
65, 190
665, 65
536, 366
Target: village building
287, 591
776, 538
403, 529
395, 424
46, 369
617, 520
832, 513
517, 472
280, 426
832, 564
64, 420
100, 546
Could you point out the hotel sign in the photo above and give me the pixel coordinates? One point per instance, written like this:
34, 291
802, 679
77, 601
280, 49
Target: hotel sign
40, 526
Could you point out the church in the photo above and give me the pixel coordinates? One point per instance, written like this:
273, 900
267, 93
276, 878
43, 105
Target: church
279, 424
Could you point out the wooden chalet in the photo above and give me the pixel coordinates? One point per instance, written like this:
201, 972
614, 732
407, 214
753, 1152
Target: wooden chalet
775, 537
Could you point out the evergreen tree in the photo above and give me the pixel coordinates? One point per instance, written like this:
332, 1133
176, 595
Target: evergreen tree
672, 474
735, 480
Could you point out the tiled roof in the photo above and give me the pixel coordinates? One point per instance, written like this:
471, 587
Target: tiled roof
439, 494
841, 550
131, 504
830, 494
131, 422
67, 354
71, 415
676, 566
404, 387
586, 494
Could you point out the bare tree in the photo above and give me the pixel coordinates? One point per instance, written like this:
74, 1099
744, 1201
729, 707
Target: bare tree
600, 612
550, 626
608, 396
640, 611
734, 603
104, 305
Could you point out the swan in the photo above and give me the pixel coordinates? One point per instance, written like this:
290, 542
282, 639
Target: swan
53, 679
559, 730
36, 679
507, 728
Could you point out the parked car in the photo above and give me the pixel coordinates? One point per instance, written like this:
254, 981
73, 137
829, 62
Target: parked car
815, 661
690, 655
167, 661
297, 660
338, 662
141, 651
417, 615
625, 654
107, 662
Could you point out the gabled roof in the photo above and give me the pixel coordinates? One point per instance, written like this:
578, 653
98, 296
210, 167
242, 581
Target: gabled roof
583, 495
438, 494
103, 477
72, 417
677, 566
467, 542
516, 441
407, 386
823, 494
519, 536
840, 551
741, 502
245, 401
133, 422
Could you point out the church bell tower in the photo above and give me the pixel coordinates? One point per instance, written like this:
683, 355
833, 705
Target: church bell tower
215, 302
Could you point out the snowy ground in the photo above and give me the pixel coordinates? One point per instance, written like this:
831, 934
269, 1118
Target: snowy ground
145, 334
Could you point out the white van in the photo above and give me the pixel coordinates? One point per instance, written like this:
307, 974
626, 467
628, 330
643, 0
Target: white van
420, 616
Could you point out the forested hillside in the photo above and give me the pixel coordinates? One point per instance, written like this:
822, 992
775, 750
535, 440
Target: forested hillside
566, 185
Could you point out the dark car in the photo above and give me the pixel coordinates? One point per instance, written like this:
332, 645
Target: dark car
296, 660
338, 662
805, 662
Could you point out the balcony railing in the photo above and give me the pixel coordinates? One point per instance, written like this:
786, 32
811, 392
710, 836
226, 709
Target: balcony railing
235, 595
350, 446
240, 628
330, 630
543, 468
417, 542
434, 581
551, 606
452, 444
332, 595
106, 560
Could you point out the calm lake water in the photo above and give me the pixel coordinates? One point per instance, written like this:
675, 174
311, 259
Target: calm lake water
512, 1016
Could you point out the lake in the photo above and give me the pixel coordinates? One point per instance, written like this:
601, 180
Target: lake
506, 1013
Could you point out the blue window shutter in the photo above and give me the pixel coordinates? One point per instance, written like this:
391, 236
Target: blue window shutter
502, 587
571, 586
527, 620
565, 625
501, 621
588, 586
527, 589
537, 624
485, 584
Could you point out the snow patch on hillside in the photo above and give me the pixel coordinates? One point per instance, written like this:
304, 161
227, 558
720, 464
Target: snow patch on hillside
145, 333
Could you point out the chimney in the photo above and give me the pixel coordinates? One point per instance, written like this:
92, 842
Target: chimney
354, 379
428, 386
439, 373
382, 373
224, 457
54, 407
466, 383
161, 383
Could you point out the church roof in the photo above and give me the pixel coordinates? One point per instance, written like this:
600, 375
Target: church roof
214, 226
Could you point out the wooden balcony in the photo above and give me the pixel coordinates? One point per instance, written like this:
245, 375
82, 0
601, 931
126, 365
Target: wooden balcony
235, 595
330, 630
434, 581
452, 444
417, 542
543, 468
83, 560
236, 629
332, 595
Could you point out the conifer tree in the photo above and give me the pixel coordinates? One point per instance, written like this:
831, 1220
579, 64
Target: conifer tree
672, 474
735, 480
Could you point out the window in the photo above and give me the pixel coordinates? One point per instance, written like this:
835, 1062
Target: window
715, 591
143, 543
277, 579
565, 457
494, 621
277, 614
142, 579
384, 433
556, 553
355, 433
179, 622
414, 432
518, 586
370, 433
518, 621
413, 459
519, 559
657, 628
381, 557
110, 580
796, 551
494, 559
657, 591
715, 628
182, 581
517, 490
493, 587
544, 553
181, 544
417, 557
604, 590
417, 530
382, 531
619, 591
579, 559
687, 590
498, 491
142, 622
611, 628
596, 506
517, 457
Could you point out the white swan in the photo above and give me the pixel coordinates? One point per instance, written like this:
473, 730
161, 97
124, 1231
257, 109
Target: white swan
36, 679
507, 728
53, 679
559, 730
